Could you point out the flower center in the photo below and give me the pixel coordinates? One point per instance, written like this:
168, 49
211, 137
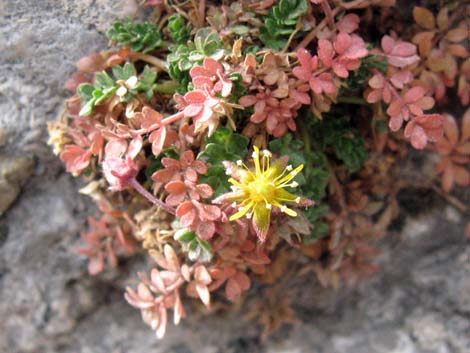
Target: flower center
261, 189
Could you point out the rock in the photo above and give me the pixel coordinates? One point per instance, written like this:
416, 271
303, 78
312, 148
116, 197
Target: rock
14, 172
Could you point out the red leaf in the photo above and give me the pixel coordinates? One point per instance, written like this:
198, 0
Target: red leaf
414, 94
175, 187
205, 230
348, 23
232, 290
325, 52
243, 280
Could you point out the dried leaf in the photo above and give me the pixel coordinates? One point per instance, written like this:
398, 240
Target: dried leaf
457, 35
443, 18
424, 17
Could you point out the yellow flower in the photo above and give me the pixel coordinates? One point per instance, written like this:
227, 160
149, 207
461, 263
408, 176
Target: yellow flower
258, 191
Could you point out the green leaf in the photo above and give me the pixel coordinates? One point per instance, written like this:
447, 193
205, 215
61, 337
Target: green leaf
225, 145
124, 72
346, 142
103, 80
199, 250
87, 108
91, 96
240, 30
281, 22
314, 177
184, 235
217, 179
85, 91
320, 230
178, 29
143, 37
104, 94
284, 146
146, 83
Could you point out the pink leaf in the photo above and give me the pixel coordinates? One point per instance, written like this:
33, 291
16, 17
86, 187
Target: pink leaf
325, 52
161, 329
204, 190
157, 138
348, 23
171, 258
304, 57
395, 123
95, 265
404, 49
466, 125
414, 94
135, 146
195, 97
387, 44
342, 42
247, 101
232, 290
202, 275
175, 187
243, 280
192, 110
205, 230
417, 136
401, 78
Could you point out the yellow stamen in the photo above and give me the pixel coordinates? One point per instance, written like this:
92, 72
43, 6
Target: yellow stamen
263, 189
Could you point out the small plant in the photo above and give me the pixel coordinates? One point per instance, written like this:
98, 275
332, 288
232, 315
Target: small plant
140, 37
260, 141
281, 22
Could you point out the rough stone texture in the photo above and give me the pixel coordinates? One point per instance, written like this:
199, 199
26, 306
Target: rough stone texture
418, 303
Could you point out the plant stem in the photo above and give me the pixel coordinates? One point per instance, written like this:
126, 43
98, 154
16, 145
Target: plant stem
160, 64
351, 100
141, 190
305, 136
329, 15
167, 87
452, 200
311, 36
202, 11
172, 118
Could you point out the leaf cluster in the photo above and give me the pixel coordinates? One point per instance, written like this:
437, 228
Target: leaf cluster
146, 83
223, 145
156, 161
314, 177
92, 95
358, 78
179, 31
105, 86
184, 56
346, 142
312, 180
197, 249
142, 37
281, 22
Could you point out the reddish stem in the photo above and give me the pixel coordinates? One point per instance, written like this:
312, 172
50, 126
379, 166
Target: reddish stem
202, 11
172, 118
329, 15
141, 190
311, 36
